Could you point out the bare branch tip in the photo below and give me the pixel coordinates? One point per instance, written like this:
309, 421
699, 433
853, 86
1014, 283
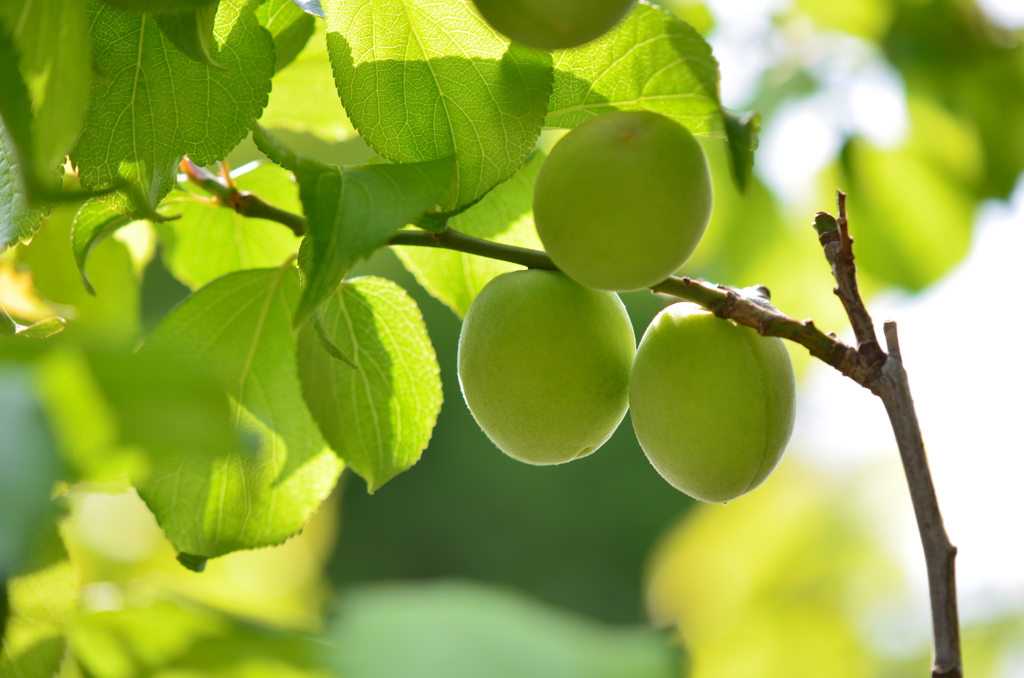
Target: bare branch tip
892, 339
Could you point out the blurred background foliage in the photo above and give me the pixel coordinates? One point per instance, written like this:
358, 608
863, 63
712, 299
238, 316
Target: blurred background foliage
471, 564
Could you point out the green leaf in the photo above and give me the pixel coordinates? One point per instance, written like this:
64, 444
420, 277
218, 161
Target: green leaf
152, 104
113, 312
157, 6
42, 329
178, 638
52, 41
18, 221
423, 81
912, 208
168, 406
504, 215
209, 241
83, 420
741, 132
352, 211
387, 631
43, 599
238, 327
29, 467
192, 32
290, 27
304, 98
93, 222
378, 416
650, 61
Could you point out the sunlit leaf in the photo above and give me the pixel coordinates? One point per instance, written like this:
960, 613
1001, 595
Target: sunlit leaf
166, 637
152, 104
352, 211
239, 328
504, 215
41, 329
191, 32
158, 5
304, 98
19, 219
290, 28
460, 630
93, 222
651, 61
425, 81
54, 58
207, 240
379, 415
114, 311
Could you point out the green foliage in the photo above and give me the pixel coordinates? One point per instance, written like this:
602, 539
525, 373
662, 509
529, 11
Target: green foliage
94, 221
43, 598
914, 204
152, 104
553, 25
56, 81
239, 328
207, 241
112, 313
304, 98
476, 97
28, 466
463, 631
651, 61
18, 221
159, 6
351, 211
191, 32
504, 215
234, 419
290, 27
377, 413
164, 637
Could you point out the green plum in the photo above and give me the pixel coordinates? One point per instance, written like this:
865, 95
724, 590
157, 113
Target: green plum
544, 365
712, 402
553, 24
623, 200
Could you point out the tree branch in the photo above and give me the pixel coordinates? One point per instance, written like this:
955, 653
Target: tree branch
247, 204
893, 388
725, 302
868, 365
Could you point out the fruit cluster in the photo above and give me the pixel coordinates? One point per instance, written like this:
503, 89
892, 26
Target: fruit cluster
547, 360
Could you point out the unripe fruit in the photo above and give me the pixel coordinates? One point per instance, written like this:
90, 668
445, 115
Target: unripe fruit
623, 200
712, 402
553, 24
544, 365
